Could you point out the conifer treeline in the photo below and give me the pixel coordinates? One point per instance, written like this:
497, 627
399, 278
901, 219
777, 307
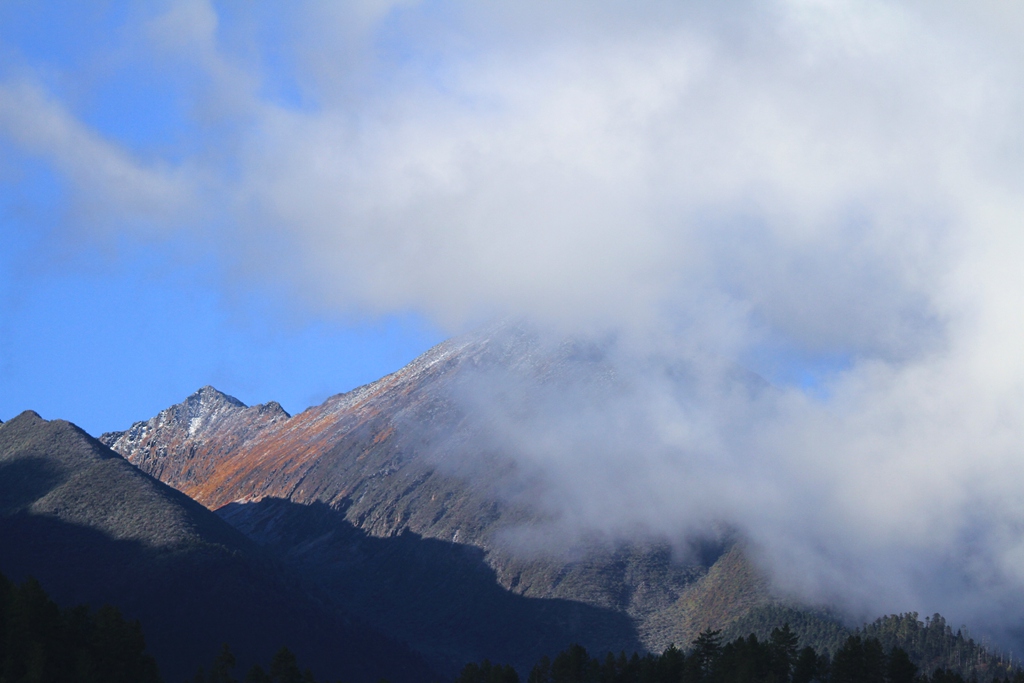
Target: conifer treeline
933, 644
41, 643
777, 659
284, 668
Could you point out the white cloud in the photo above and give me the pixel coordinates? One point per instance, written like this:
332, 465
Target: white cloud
840, 179
599, 174
112, 187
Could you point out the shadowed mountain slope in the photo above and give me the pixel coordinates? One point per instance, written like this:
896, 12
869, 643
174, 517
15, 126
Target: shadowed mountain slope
402, 456
93, 529
440, 595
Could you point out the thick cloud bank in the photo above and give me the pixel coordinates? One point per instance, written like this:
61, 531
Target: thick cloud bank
831, 193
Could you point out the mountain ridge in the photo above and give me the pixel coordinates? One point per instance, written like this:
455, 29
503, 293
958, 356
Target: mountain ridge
391, 457
385, 500
94, 529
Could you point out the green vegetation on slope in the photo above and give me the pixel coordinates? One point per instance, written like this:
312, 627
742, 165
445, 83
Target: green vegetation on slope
42, 643
932, 644
94, 529
284, 668
819, 629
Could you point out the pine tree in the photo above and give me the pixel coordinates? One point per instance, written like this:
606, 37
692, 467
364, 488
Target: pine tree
899, 668
222, 667
782, 647
808, 667
284, 668
706, 649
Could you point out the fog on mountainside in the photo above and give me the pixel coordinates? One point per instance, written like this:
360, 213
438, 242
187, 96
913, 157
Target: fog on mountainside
826, 194
613, 441
413, 502
394, 498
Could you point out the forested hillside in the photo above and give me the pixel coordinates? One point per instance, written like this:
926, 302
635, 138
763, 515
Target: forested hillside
874, 654
932, 644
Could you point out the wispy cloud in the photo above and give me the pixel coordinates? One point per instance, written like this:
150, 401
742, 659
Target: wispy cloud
113, 190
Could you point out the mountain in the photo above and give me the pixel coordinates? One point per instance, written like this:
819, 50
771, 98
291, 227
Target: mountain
395, 499
94, 529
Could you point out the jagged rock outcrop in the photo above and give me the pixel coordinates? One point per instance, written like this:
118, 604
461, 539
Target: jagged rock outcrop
185, 442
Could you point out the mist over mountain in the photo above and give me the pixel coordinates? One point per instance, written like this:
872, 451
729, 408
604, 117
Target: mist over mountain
411, 505
424, 505
829, 194
544, 445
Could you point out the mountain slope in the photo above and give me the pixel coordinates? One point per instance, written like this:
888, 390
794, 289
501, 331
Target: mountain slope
441, 596
401, 455
94, 529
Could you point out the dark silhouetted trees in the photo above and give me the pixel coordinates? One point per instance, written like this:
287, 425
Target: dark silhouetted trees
40, 643
777, 659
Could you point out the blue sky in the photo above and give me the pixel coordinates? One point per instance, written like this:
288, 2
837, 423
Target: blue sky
105, 340
287, 201
104, 334
106, 320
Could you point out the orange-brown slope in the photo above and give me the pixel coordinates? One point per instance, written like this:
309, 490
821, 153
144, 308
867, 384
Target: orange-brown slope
218, 451
185, 444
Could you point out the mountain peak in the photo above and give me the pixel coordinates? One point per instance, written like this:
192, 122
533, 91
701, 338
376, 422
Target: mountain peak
412, 459
29, 417
272, 408
210, 394
186, 440
203, 407
26, 420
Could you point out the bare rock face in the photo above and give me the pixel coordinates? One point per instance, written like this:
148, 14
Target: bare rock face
186, 441
400, 459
